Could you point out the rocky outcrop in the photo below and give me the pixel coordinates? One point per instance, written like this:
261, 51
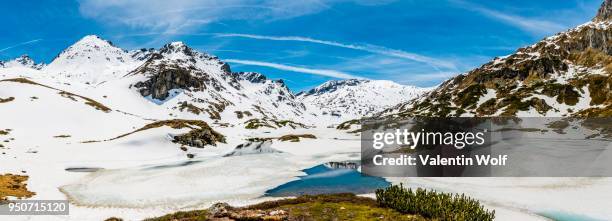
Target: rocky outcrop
175, 66
256, 123
223, 211
296, 137
252, 77
168, 78
200, 133
200, 137
343, 165
331, 86
605, 12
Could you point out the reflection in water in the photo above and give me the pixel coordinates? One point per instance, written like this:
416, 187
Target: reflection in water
83, 169
322, 179
563, 216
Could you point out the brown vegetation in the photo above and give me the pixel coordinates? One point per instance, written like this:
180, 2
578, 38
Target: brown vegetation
14, 186
88, 101
343, 206
288, 137
6, 100
200, 135
296, 137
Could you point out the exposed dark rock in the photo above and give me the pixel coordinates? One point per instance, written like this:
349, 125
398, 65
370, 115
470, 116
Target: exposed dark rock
220, 210
296, 137
168, 78
252, 77
343, 165
605, 11
200, 135
143, 54
6, 100
271, 123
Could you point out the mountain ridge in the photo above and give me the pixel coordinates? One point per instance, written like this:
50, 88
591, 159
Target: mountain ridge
354, 98
181, 81
605, 12
22, 61
567, 74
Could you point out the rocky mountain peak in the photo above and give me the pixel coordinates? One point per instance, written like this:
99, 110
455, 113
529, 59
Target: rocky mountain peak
93, 41
176, 47
180, 52
142, 54
23, 61
605, 12
331, 86
92, 46
91, 60
352, 98
252, 77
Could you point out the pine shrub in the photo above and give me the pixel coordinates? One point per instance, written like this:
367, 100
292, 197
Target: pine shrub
432, 204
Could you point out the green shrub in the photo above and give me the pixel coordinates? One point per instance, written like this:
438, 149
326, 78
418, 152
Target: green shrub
431, 204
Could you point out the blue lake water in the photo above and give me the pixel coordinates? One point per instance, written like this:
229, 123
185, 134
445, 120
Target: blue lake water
324, 180
563, 216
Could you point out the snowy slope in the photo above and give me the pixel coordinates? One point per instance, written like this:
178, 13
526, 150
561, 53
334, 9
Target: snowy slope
350, 99
90, 61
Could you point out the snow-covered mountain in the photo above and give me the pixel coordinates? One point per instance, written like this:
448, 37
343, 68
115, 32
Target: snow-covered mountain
351, 99
568, 74
22, 61
91, 60
178, 81
195, 83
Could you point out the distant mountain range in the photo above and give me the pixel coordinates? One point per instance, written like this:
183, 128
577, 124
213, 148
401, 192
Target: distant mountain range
22, 61
351, 99
183, 82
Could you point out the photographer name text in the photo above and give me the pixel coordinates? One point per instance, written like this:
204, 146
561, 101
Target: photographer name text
437, 160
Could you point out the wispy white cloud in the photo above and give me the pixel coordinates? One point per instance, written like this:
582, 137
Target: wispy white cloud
537, 26
366, 47
171, 18
177, 17
395, 69
185, 15
20, 44
322, 72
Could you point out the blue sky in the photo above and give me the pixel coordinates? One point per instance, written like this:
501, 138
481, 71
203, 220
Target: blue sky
306, 42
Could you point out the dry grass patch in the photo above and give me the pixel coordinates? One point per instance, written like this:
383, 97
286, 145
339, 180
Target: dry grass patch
88, 101
296, 137
288, 137
344, 206
14, 186
200, 134
6, 100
